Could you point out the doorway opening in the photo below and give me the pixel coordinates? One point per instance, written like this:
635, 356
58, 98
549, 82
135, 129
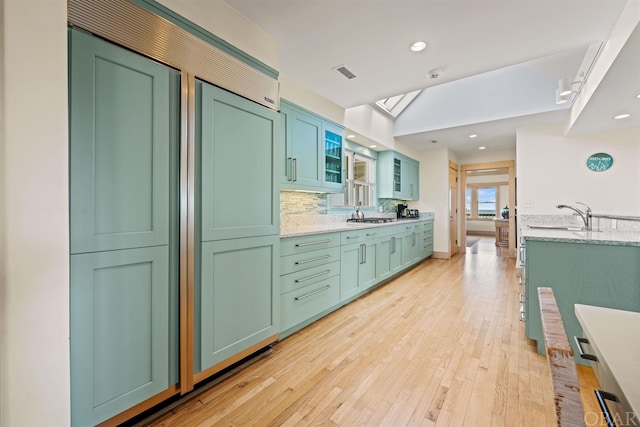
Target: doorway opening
487, 193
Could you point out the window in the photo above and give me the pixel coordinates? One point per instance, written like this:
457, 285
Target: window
359, 187
482, 202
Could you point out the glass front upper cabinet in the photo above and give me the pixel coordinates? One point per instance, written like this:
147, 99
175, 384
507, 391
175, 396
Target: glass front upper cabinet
397, 175
333, 155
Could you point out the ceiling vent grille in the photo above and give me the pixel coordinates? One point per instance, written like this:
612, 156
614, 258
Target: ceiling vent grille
342, 69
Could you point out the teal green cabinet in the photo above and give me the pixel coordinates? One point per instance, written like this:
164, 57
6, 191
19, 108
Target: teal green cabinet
309, 279
237, 218
398, 176
311, 151
237, 297
119, 147
333, 165
119, 331
123, 190
579, 273
239, 152
359, 262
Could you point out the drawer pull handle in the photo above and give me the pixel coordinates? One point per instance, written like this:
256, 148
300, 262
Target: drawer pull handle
319, 242
602, 396
305, 261
371, 234
313, 276
353, 237
317, 291
583, 355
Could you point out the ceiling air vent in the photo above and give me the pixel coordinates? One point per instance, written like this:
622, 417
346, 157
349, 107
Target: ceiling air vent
342, 69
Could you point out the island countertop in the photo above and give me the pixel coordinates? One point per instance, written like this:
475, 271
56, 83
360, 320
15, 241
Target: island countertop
609, 237
616, 336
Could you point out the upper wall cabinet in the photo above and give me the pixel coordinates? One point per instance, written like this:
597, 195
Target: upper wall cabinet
398, 176
311, 151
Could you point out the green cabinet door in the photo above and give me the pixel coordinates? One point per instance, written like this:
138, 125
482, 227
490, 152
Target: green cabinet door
333, 160
119, 144
306, 149
237, 297
385, 246
350, 260
123, 228
369, 267
119, 331
239, 149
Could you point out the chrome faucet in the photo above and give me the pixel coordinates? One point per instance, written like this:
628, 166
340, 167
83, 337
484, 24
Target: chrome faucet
586, 216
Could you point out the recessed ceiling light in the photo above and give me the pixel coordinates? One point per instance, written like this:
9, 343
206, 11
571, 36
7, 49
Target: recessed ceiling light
372, 146
638, 95
350, 136
482, 148
418, 46
473, 135
622, 116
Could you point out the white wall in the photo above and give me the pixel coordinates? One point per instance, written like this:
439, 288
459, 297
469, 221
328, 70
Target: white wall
34, 386
300, 95
434, 194
551, 169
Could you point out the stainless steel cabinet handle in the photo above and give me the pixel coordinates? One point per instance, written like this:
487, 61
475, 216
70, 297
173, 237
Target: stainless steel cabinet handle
305, 261
393, 245
317, 291
371, 234
319, 242
353, 237
295, 169
313, 276
289, 169
602, 396
583, 355
364, 253
413, 237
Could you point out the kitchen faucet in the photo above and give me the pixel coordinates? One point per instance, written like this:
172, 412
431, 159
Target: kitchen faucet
586, 215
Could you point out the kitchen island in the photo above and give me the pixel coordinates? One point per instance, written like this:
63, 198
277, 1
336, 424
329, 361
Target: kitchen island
599, 268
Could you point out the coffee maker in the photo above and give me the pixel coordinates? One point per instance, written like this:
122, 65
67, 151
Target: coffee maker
402, 211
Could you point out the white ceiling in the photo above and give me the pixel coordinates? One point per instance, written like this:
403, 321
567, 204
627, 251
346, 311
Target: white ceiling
465, 38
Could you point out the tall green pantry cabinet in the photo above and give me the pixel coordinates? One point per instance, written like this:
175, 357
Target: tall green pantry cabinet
123, 239
170, 281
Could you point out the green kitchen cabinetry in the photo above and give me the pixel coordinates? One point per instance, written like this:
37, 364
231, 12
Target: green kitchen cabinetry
237, 205
119, 330
604, 275
310, 279
398, 176
311, 151
389, 252
359, 261
123, 191
238, 160
411, 249
237, 297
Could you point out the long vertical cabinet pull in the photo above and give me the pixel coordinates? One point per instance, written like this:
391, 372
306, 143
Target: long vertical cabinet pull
187, 231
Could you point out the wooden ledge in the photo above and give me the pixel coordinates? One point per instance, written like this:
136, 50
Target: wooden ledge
564, 377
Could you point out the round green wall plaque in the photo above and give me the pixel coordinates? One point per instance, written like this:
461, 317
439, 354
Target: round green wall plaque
599, 162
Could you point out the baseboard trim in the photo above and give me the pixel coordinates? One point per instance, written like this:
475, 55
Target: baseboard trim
441, 255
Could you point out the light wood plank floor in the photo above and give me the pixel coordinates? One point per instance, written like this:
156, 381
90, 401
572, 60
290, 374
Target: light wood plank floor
441, 345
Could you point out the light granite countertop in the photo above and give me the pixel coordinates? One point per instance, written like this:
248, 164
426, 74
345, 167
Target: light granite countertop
294, 230
607, 237
616, 336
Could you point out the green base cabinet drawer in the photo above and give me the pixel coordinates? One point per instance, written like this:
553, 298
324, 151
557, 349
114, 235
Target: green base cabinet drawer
300, 279
300, 244
304, 303
297, 262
